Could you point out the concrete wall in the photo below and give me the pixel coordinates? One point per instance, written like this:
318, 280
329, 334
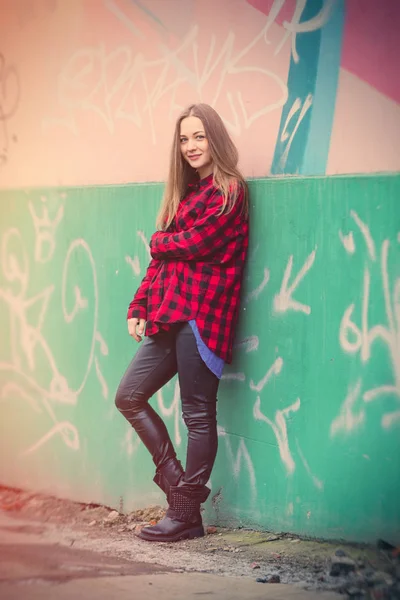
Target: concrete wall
309, 412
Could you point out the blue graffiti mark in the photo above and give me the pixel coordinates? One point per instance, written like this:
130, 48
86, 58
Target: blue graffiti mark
121, 16
149, 13
304, 133
322, 113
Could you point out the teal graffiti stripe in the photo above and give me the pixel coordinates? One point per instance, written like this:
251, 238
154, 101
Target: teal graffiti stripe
149, 13
289, 149
323, 109
304, 149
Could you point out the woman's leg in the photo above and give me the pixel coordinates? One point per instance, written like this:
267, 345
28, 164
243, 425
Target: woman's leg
152, 367
199, 387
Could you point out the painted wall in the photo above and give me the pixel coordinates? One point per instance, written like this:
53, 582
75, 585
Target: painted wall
90, 89
309, 413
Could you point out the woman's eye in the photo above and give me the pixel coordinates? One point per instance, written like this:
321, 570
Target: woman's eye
200, 137
183, 140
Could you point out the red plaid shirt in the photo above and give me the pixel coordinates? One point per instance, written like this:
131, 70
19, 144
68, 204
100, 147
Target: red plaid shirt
196, 269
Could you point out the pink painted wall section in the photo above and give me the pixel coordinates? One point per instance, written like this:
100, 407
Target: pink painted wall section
90, 89
371, 44
366, 134
366, 128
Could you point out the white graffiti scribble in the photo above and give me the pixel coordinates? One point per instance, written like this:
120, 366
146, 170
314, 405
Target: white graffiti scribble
13, 390
234, 377
253, 295
28, 344
242, 457
348, 420
142, 236
283, 301
348, 242
274, 370
67, 431
391, 419
316, 481
279, 428
355, 339
250, 344
289, 137
125, 84
100, 377
279, 425
366, 233
45, 229
294, 27
130, 442
115, 97
134, 263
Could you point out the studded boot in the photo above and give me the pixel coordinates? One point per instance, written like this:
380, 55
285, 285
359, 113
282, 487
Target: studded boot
183, 519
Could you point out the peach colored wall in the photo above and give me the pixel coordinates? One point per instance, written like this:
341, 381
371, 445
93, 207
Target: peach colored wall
90, 89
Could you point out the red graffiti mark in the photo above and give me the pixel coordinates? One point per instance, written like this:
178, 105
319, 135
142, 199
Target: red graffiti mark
264, 6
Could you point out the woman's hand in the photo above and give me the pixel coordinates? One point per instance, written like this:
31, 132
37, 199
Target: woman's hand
136, 328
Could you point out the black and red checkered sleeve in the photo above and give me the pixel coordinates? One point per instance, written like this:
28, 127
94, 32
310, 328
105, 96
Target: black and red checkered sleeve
138, 307
211, 232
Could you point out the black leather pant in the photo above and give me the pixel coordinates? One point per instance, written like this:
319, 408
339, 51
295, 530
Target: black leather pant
158, 359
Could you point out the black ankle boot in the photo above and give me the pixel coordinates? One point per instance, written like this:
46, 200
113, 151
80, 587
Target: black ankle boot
183, 519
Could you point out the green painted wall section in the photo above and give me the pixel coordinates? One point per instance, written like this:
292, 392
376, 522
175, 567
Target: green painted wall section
309, 413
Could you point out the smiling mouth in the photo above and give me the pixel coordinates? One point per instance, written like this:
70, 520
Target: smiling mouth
194, 156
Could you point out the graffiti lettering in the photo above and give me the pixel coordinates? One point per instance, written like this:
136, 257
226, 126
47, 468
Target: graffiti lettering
90, 82
355, 339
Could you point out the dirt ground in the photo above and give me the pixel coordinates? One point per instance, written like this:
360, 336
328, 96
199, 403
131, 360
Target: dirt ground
361, 571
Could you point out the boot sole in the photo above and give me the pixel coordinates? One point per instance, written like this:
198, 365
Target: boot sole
188, 534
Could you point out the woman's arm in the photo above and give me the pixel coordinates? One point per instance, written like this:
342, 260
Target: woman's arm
211, 232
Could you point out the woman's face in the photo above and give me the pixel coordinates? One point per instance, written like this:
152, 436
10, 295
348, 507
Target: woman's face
194, 146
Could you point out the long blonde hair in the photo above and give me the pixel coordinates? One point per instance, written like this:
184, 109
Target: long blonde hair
224, 154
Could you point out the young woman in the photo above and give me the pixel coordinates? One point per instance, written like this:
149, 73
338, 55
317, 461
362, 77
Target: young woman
189, 298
